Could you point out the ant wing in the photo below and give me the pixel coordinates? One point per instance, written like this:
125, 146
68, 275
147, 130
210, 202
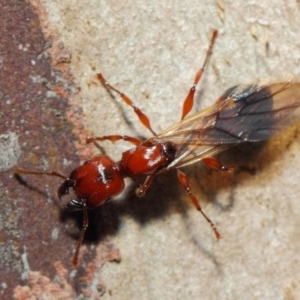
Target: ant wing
245, 113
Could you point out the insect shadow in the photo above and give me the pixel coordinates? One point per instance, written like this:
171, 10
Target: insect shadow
164, 197
249, 158
243, 114
105, 220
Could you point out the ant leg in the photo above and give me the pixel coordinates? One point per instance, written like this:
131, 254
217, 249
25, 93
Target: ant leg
183, 179
189, 100
143, 118
143, 189
85, 225
85, 217
215, 164
52, 173
114, 138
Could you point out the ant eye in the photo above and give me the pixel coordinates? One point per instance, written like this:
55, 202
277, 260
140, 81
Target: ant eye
105, 175
108, 175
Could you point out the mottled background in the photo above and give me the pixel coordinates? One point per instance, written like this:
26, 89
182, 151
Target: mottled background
158, 247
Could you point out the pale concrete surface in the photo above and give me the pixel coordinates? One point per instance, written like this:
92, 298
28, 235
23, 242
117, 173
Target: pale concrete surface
151, 51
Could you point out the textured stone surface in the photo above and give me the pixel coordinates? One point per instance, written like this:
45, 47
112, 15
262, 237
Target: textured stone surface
151, 52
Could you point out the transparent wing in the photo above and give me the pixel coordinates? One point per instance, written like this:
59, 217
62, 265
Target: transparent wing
244, 113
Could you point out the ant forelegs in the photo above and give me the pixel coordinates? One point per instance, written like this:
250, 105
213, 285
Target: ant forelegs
183, 179
85, 224
114, 138
189, 100
143, 189
143, 118
62, 191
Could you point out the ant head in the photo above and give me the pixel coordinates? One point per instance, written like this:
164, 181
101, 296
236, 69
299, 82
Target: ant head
94, 182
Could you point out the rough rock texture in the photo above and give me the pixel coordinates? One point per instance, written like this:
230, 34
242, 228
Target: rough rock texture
50, 52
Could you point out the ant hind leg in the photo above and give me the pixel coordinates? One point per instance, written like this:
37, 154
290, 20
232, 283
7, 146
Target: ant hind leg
215, 164
189, 100
183, 179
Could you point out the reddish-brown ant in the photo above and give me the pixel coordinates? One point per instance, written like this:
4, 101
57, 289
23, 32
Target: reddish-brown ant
245, 113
